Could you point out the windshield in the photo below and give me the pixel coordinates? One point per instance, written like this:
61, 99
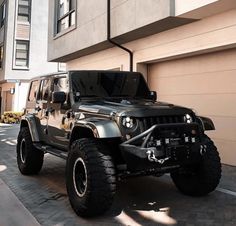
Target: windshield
109, 84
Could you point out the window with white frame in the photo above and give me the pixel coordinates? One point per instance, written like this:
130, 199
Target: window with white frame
65, 14
24, 8
2, 14
22, 54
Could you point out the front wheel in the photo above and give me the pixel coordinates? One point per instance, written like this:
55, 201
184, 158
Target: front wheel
90, 177
29, 159
203, 178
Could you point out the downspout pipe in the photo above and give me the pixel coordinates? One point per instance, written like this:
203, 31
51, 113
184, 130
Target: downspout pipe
110, 39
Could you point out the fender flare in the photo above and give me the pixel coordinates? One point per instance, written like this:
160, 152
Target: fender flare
100, 128
32, 124
207, 123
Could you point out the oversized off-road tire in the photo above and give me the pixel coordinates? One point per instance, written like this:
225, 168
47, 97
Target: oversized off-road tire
29, 159
202, 178
90, 177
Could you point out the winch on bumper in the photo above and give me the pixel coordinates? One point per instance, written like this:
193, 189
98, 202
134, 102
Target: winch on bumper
164, 145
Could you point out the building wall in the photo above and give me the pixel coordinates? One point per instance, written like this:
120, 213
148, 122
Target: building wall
2, 36
129, 15
184, 6
207, 35
130, 20
38, 64
36, 33
88, 31
20, 96
212, 35
202, 8
91, 28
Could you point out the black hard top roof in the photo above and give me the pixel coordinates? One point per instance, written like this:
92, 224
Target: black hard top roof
71, 71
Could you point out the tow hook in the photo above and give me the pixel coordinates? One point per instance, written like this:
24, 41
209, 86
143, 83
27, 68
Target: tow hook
203, 149
152, 158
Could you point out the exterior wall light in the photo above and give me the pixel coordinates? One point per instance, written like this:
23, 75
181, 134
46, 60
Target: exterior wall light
12, 91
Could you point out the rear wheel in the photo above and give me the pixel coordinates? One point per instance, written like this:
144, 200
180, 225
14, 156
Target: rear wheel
29, 159
90, 177
203, 178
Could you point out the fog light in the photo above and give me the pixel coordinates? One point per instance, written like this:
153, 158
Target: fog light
186, 139
158, 143
128, 137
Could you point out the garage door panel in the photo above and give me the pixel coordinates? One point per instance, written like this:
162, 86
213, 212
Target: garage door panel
225, 128
206, 83
217, 104
227, 151
196, 65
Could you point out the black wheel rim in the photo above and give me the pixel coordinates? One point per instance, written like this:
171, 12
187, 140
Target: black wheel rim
22, 151
80, 177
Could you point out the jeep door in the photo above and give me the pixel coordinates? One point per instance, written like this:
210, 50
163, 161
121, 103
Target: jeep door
32, 95
41, 107
59, 114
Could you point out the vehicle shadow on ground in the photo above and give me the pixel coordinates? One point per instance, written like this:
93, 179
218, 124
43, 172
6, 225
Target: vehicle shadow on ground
152, 201
140, 201
136, 201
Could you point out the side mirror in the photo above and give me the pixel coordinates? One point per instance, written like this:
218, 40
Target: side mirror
58, 97
153, 95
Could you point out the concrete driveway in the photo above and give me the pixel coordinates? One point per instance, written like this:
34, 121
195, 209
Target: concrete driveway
138, 201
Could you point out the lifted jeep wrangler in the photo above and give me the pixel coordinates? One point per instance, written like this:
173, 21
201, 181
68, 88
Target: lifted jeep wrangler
108, 126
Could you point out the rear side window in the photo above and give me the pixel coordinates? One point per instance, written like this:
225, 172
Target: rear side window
61, 84
33, 90
44, 90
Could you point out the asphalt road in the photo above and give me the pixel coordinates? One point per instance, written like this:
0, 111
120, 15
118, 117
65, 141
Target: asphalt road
139, 201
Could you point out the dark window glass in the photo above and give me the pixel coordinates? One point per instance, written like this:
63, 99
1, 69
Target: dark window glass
65, 14
33, 90
1, 55
44, 91
61, 84
2, 14
102, 84
22, 54
24, 10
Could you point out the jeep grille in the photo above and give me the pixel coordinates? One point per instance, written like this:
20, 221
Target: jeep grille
148, 122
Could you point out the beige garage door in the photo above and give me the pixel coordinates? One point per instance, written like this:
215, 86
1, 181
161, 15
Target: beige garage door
206, 83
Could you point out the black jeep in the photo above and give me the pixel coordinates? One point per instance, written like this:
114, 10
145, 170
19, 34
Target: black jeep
108, 126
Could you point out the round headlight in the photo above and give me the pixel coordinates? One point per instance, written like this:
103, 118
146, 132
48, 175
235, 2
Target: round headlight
128, 122
188, 118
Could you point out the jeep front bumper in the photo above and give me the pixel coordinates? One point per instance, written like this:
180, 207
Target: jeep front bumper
164, 145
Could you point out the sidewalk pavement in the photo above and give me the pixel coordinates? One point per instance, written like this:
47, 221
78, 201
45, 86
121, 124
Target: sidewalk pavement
12, 211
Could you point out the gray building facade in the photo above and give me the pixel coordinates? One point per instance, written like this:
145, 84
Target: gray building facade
23, 48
